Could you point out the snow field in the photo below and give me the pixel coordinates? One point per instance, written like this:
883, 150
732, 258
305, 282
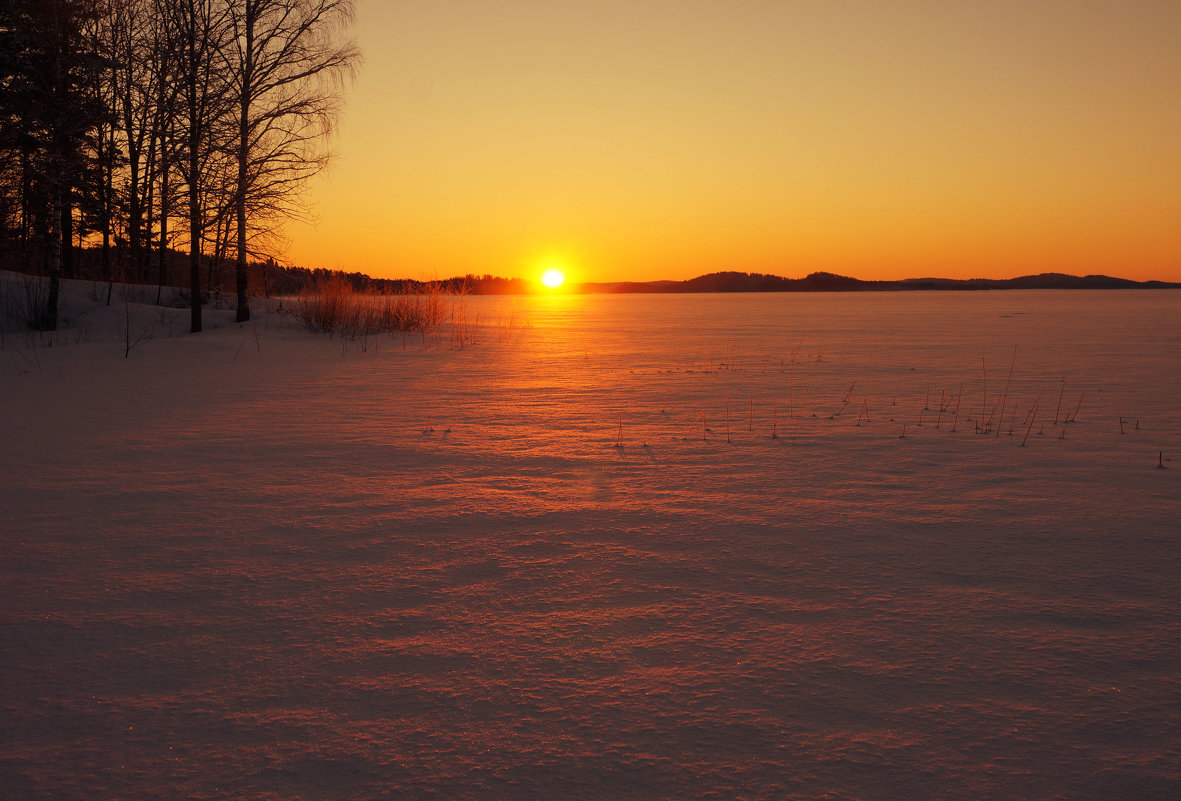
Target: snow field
278, 565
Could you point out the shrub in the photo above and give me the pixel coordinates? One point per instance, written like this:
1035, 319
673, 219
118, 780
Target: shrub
23, 301
335, 307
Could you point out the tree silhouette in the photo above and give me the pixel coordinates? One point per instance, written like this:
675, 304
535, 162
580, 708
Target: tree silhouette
49, 65
109, 108
284, 63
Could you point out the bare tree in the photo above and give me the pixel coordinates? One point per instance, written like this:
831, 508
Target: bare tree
105, 30
163, 145
201, 33
286, 62
133, 52
108, 108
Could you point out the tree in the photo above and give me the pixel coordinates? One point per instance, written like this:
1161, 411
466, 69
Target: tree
200, 33
285, 62
162, 145
49, 68
126, 33
109, 108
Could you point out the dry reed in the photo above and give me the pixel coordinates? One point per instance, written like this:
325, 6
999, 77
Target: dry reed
1032, 417
1005, 394
336, 307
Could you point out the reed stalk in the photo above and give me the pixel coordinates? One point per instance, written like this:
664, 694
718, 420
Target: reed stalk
1032, 417
807, 387
1036, 402
1005, 394
790, 390
984, 402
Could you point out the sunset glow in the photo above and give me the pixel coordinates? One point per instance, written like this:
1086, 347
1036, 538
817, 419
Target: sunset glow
553, 278
881, 140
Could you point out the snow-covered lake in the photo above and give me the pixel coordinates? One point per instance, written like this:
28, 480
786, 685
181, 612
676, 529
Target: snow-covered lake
572, 561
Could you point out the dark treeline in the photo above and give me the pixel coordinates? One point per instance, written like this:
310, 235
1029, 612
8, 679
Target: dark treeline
149, 126
295, 280
267, 278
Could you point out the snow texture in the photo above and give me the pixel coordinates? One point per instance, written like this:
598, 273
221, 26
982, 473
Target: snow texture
571, 561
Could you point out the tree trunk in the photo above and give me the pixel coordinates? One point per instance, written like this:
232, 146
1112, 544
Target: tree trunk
26, 204
149, 207
194, 189
243, 151
134, 209
240, 268
49, 320
164, 210
108, 192
65, 212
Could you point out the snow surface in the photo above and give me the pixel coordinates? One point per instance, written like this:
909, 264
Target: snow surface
262, 563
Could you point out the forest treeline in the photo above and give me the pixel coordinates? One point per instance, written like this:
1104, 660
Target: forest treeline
152, 126
268, 278
293, 281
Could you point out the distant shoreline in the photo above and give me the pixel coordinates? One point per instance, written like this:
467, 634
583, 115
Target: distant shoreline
829, 282
267, 279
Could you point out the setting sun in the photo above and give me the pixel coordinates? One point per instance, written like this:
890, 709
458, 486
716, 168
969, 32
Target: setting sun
553, 278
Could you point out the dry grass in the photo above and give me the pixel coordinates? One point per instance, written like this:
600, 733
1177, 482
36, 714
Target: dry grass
23, 301
336, 307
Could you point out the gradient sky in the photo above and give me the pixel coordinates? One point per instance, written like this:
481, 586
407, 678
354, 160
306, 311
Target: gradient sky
646, 139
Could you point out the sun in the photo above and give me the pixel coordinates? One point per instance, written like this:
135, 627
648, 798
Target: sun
553, 278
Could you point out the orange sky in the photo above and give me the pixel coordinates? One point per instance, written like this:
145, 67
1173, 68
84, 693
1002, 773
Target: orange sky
647, 139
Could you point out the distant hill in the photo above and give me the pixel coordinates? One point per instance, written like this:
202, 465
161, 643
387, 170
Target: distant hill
271, 279
731, 281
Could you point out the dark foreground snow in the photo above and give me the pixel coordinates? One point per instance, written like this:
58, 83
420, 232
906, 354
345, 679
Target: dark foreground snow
256, 563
